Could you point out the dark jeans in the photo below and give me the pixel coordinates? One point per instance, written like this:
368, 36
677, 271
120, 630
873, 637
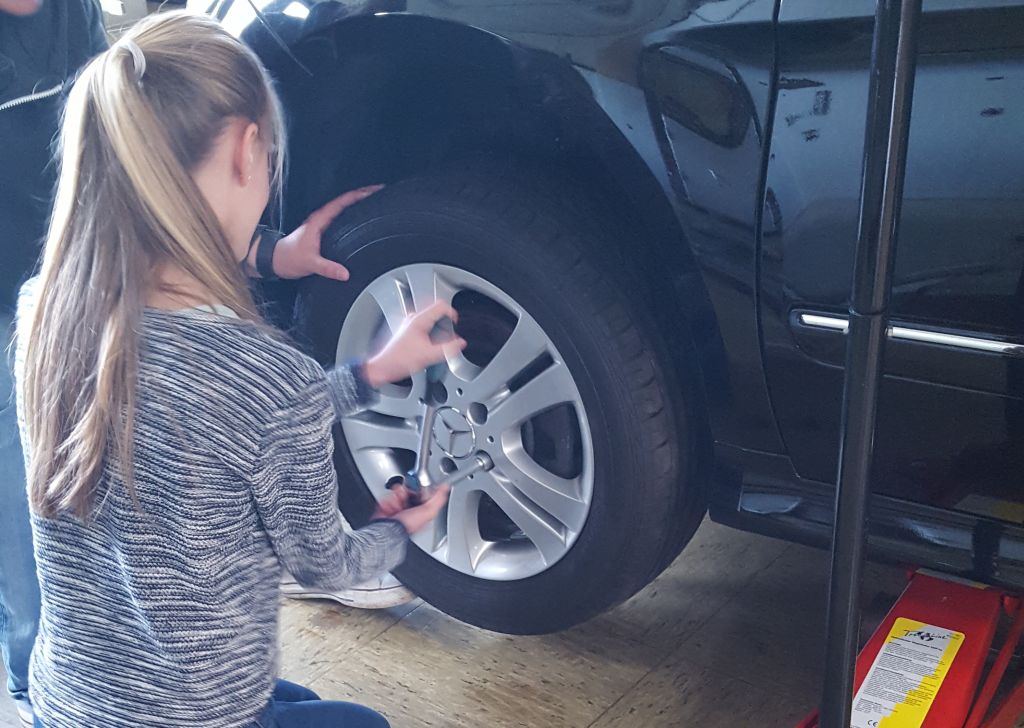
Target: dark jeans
293, 706
19, 587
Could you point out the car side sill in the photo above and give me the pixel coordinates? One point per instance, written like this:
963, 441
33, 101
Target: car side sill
759, 492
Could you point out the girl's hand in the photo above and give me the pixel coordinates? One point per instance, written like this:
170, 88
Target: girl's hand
396, 506
297, 255
396, 501
411, 349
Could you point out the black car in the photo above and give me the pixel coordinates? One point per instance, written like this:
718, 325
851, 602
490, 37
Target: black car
645, 212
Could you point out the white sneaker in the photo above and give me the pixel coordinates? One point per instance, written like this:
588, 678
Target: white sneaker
381, 593
25, 713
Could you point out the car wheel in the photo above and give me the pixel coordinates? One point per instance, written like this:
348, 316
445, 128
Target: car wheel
565, 384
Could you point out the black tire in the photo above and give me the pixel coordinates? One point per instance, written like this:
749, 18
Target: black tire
544, 255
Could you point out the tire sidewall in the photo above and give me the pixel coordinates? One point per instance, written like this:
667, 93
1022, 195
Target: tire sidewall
533, 274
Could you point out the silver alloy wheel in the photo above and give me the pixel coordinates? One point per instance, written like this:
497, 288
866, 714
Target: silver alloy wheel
489, 405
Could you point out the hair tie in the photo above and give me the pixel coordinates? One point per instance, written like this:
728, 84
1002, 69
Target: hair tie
138, 57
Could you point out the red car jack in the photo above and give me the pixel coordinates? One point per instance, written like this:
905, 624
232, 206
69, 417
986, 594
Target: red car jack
924, 663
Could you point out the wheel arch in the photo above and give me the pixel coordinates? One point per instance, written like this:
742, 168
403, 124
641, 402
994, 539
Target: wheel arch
394, 95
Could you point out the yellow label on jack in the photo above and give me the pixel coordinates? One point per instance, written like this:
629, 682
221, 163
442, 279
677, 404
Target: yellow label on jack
905, 677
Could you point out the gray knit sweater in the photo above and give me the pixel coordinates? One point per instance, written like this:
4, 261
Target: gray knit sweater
166, 614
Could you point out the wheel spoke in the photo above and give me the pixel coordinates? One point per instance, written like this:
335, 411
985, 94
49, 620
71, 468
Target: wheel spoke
464, 542
363, 433
427, 287
537, 525
406, 407
462, 369
526, 343
390, 298
551, 387
430, 537
557, 496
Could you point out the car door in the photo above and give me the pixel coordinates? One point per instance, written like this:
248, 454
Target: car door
951, 421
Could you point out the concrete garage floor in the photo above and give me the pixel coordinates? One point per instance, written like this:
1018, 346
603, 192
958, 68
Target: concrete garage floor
728, 636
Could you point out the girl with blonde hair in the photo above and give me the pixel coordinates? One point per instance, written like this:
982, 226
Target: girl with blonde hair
178, 451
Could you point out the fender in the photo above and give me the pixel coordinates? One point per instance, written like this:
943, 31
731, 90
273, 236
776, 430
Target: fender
375, 96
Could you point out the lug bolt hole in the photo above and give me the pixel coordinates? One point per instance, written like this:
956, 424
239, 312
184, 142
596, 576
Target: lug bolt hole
490, 439
437, 393
448, 466
477, 414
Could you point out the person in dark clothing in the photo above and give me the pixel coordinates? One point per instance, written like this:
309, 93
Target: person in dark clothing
41, 48
39, 53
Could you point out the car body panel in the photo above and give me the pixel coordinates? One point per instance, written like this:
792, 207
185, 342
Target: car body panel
710, 84
959, 260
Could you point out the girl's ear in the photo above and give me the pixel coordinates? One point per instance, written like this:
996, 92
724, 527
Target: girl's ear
246, 153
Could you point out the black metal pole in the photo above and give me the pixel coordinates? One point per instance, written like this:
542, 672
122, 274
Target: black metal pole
891, 85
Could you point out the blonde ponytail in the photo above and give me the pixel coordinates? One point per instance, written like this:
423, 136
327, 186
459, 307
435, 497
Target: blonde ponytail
138, 121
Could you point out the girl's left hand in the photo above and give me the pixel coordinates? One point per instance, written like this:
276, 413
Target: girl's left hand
411, 349
297, 254
396, 501
396, 505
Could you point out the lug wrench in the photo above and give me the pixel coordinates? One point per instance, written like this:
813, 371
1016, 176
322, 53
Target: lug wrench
422, 489
417, 480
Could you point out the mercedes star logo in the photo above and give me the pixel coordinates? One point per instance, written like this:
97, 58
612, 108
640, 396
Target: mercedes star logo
454, 434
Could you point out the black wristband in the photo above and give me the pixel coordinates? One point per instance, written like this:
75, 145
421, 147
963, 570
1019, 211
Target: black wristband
265, 251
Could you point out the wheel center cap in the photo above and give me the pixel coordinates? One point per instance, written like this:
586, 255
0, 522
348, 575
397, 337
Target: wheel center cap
454, 433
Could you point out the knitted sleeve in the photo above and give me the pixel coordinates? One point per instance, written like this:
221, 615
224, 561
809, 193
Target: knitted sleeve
296, 493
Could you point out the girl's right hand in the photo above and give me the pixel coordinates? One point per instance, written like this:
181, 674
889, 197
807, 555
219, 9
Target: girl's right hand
411, 349
395, 506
